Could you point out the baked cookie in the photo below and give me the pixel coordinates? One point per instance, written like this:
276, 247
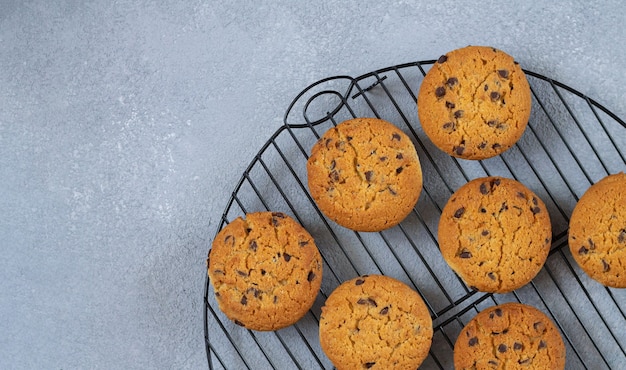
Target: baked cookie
597, 231
495, 234
364, 174
509, 336
474, 103
375, 322
265, 270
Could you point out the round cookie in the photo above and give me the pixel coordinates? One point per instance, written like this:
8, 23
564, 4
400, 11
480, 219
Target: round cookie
597, 231
365, 174
509, 336
495, 234
265, 270
474, 103
375, 322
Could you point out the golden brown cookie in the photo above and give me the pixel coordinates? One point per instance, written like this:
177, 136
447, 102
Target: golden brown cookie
597, 231
495, 234
509, 336
375, 322
364, 174
474, 103
266, 270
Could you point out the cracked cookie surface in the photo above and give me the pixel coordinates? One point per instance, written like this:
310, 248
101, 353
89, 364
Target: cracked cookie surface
509, 336
495, 233
597, 231
265, 270
375, 322
365, 174
474, 103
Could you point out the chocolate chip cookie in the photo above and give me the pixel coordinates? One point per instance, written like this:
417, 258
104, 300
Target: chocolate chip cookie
365, 174
495, 234
375, 322
265, 270
509, 336
597, 231
474, 103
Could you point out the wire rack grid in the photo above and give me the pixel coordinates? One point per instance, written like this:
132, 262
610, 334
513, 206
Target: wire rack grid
571, 142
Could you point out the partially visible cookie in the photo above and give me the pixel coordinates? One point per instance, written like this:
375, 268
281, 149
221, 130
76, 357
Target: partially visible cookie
266, 270
509, 336
365, 174
474, 103
375, 322
495, 233
597, 231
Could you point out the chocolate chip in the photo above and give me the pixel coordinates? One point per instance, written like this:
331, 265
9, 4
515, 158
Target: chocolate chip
592, 245
241, 273
220, 272
440, 91
449, 126
496, 146
399, 156
621, 238
539, 326
393, 192
535, 210
494, 95
349, 138
239, 323
370, 364
498, 312
254, 291
473, 341
482, 145
458, 114
495, 182
395, 136
340, 145
504, 207
253, 245
486, 87
535, 201
442, 59
303, 243
229, 239
244, 300
369, 175
465, 254
332, 165
521, 195
275, 300
382, 159
484, 189
459, 150
385, 310
493, 362
605, 266
263, 272
492, 276
311, 276
450, 105
217, 294
459, 212
359, 281
542, 344
334, 175
368, 302
525, 361
287, 257
518, 346
502, 348
583, 250
503, 73
452, 81
492, 123
482, 210
399, 170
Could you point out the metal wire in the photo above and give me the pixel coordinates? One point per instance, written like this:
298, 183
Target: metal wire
571, 142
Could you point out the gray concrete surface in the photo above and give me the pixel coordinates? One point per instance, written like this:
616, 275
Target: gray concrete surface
124, 126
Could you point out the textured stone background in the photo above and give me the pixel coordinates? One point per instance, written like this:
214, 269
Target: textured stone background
124, 126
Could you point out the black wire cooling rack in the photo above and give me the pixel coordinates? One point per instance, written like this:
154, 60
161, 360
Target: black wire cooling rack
571, 142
